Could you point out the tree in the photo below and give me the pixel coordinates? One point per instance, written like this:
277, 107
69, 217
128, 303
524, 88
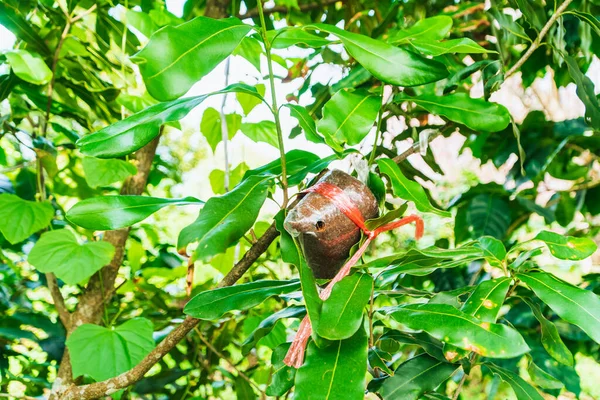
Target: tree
93, 298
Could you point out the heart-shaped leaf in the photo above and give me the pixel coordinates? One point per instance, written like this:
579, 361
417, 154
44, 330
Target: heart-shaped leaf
104, 353
452, 326
225, 219
100, 172
20, 218
116, 212
211, 125
567, 247
176, 57
60, 253
212, 304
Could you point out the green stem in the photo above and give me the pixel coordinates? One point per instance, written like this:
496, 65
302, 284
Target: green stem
377, 134
274, 107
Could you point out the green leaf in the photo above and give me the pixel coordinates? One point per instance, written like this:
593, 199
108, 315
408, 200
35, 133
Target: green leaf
210, 126
567, 247
407, 189
508, 24
462, 45
578, 306
217, 178
452, 326
585, 92
342, 312
534, 13
488, 215
290, 252
428, 29
336, 372
116, 212
297, 162
348, 117
550, 337
60, 253
247, 101
28, 66
104, 353
290, 36
387, 63
263, 131
176, 57
225, 219
380, 359
588, 18
267, 324
487, 299
250, 49
542, 378
391, 341
523, 390
414, 377
20, 218
134, 132
283, 376
213, 304
306, 122
493, 250
477, 114
100, 172
12, 19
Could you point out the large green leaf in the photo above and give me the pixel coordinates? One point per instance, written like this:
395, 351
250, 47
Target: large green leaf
28, 66
407, 189
225, 219
428, 29
291, 36
60, 253
101, 172
134, 132
577, 306
104, 353
306, 122
348, 117
567, 247
210, 126
459, 329
523, 390
20, 218
342, 312
462, 45
477, 114
297, 164
176, 57
263, 131
12, 19
488, 215
585, 92
414, 377
336, 372
387, 63
116, 212
550, 337
212, 304
487, 299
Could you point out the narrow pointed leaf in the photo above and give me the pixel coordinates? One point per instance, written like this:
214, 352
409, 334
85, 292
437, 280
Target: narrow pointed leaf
60, 253
387, 63
493, 250
289, 36
477, 114
407, 189
306, 122
452, 326
267, 324
380, 359
176, 57
487, 299
225, 219
585, 92
116, 212
283, 376
297, 164
434, 28
342, 312
462, 45
134, 132
577, 306
567, 247
523, 390
20, 218
414, 377
336, 372
348, 117
212, 304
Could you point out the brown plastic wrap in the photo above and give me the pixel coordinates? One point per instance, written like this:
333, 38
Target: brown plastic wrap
325, 234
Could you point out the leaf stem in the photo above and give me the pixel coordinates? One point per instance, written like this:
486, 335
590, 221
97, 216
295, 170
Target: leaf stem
274, 107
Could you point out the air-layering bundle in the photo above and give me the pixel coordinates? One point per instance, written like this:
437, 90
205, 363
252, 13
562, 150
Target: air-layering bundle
327, 223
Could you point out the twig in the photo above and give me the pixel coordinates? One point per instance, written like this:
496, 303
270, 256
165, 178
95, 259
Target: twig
221, 355
460, 386
59, 300
415, 147
224, 129
538, 40
284, 9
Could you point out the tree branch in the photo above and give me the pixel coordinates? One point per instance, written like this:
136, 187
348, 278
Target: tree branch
59, 300
416, 145
284, 10
538, 40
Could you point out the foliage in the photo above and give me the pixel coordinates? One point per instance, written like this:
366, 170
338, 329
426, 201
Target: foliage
500, 299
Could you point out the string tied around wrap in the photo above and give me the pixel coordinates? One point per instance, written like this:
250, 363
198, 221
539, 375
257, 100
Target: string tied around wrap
295, 355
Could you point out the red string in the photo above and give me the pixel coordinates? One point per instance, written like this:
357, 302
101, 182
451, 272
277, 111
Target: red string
295, 355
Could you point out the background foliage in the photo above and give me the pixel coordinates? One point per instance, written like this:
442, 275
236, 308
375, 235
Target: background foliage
94, 282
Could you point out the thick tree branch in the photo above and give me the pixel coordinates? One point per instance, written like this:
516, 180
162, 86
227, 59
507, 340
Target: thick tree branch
538, 40
284, 10
59, 300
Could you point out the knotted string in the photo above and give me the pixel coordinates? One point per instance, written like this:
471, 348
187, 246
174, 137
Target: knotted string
295, 355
